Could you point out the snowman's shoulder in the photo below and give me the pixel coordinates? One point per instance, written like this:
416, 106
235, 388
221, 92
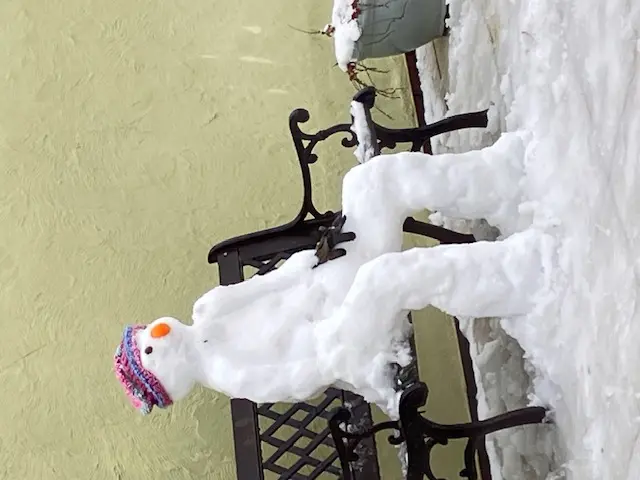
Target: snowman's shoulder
221, 300
205, 306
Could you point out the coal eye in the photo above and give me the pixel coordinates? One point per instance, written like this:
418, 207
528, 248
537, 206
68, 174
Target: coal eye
148, 350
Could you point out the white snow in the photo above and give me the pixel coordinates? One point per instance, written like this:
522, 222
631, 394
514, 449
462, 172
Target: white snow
346, 32
289, 334
565, 72
365, 150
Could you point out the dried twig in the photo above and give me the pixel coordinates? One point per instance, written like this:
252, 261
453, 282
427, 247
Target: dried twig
327, 30
353, 70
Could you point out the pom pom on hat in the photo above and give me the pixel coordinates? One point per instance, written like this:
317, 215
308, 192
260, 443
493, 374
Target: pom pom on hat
143, 389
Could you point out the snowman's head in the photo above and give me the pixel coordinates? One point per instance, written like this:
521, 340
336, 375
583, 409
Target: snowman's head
154, 363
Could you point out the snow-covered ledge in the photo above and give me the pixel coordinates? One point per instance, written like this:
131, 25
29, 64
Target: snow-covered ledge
345, 30
505, 376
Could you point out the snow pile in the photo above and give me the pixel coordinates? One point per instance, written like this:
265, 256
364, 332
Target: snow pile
566, 73
365, 150
346, 31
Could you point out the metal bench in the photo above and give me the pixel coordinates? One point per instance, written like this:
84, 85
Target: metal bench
304, 440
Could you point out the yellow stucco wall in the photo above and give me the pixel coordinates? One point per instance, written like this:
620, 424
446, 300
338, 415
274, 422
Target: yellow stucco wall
133, 136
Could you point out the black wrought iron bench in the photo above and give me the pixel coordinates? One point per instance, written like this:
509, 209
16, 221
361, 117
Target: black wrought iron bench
314, 427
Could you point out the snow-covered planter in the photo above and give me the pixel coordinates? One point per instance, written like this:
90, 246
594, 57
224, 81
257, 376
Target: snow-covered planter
364, 29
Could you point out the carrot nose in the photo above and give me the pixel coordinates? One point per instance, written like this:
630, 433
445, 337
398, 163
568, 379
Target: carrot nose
160, 330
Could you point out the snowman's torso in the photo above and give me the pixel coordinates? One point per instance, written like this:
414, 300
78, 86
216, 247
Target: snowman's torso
262, 344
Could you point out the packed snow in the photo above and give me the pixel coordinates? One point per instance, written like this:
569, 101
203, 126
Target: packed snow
345, 31
365, 149
289, 334
566, 73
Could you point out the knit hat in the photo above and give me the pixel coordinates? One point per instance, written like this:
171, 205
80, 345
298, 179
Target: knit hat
141, 386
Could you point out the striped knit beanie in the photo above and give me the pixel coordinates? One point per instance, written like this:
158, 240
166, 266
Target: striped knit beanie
143, 389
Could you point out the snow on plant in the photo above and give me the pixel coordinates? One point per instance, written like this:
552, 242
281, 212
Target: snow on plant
345, 30
288, 335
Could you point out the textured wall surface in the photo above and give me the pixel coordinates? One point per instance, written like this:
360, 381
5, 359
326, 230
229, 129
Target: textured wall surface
133, 136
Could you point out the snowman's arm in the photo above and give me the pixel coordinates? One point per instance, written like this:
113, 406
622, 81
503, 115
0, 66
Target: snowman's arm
221, 300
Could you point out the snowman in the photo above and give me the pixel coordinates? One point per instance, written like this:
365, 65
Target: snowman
338, 316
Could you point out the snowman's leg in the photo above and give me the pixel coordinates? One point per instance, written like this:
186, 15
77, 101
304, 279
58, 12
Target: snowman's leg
484, 279
378, 195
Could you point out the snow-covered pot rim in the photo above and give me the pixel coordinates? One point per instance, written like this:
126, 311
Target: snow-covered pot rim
361, 28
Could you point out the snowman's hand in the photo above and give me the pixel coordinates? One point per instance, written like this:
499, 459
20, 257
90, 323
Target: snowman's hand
343, 237
330, 237
337, 253
334, 233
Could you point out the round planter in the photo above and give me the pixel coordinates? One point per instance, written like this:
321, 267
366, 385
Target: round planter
393, 27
